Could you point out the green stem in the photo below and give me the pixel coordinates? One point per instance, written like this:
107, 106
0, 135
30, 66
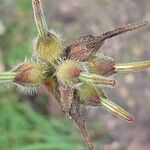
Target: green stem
39, 17
7, 76
134, 66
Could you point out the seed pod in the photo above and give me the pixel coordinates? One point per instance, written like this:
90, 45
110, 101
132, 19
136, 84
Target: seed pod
48, 45
88, 45
94, 96
105, 66
89, 96
71, 73
30, 74
84, 48
101, 65
68, 72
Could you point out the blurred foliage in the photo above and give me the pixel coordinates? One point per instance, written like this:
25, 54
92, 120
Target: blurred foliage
21, 128
24, 6
16, 42
17, 48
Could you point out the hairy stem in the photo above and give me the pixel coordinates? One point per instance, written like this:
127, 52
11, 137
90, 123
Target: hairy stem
39, 17
77, 114
123, 29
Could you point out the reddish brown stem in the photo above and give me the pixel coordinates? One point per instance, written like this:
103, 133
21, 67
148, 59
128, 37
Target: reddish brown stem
77, 114
89, 44
73, 110
123, 29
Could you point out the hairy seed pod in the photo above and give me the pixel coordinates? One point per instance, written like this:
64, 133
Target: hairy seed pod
89, 96
84, 48
48, 45
30, 74
102, 65
71, 73
94, 96
88, 45
68, 72
105, 66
